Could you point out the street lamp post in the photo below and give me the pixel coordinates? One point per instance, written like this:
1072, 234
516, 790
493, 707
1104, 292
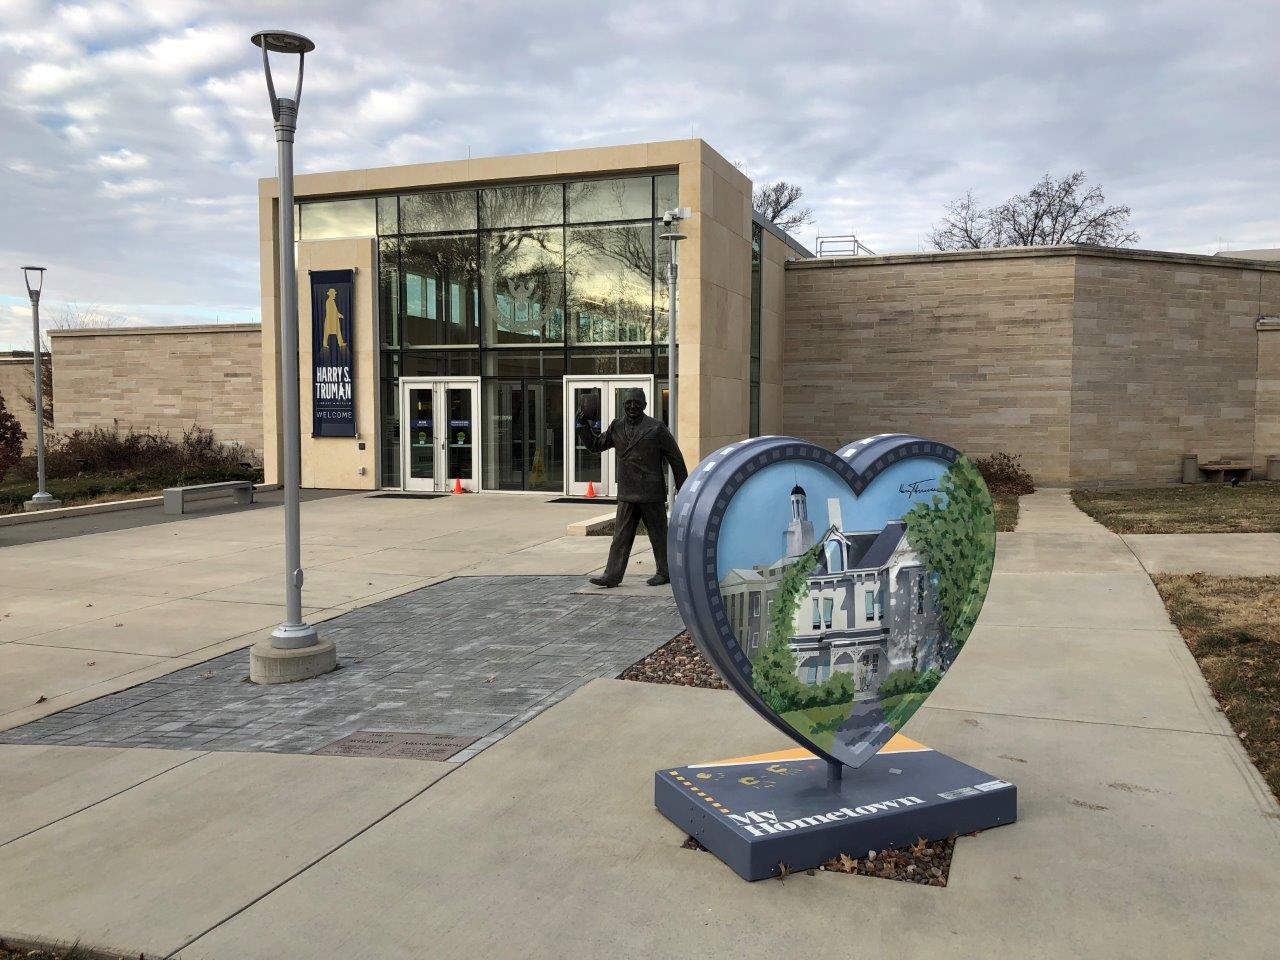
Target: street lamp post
42, 500
295, 651
671, 220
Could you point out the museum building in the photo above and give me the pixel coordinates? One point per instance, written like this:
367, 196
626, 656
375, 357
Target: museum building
488, 297
492, 297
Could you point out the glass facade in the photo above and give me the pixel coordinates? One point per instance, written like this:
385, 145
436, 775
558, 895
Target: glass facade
518, 285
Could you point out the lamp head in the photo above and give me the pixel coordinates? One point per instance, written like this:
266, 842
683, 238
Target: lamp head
283, 41
34, 283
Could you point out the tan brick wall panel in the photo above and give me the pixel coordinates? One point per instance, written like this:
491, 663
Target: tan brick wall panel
165, 378
976, 353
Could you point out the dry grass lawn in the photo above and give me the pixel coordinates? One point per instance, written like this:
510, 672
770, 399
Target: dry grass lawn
1006, 512
1232, 626
1193, 508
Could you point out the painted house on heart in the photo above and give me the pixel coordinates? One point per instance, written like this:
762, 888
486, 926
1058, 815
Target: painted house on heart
869, 607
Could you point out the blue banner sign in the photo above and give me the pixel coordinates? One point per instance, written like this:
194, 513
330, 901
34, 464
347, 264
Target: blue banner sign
333, 409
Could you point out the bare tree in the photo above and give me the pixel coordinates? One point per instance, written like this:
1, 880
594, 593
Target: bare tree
72, 316
1054, 211
777, 202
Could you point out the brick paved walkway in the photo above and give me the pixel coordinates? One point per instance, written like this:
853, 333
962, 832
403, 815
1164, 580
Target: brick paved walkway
473, 657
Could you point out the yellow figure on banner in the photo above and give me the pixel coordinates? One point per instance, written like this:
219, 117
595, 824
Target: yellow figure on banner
332, 322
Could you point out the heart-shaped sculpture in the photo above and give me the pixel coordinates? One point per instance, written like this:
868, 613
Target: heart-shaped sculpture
832, 591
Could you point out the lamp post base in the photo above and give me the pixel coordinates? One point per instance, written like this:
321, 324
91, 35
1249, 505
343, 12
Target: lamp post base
41, 503
270, 664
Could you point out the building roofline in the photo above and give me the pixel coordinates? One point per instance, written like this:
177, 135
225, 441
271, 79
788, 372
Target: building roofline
1028, 253
509, 168
777, 231
176, 328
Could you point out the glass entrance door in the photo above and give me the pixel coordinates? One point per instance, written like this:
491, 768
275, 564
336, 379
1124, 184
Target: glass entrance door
600, 401
440, 433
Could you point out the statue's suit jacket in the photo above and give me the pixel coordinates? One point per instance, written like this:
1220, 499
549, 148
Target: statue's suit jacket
641, 450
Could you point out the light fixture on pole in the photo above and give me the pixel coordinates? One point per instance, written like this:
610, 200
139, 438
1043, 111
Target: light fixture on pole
34, 278
671, 220
295, 651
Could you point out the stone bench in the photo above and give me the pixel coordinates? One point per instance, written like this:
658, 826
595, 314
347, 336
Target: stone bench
1215, 471
176, 498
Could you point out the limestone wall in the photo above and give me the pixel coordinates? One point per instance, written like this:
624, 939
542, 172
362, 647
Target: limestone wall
1165, 362
971, 350
166, 378
1099, 367
15, 385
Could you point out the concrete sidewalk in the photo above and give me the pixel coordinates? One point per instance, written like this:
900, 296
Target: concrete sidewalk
1144, 829
87, 615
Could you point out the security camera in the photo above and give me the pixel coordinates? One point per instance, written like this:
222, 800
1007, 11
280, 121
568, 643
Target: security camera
671, 216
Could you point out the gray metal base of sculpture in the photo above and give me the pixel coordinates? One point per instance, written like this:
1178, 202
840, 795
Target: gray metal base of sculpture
757, 813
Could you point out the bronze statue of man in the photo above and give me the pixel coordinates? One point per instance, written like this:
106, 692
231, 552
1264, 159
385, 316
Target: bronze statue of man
642, 445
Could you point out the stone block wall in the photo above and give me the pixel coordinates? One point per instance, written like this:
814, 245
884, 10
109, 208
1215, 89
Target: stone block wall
971, 350
16, 384
1165, 362
1098, 367
165, 378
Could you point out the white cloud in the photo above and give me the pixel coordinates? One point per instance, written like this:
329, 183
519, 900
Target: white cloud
122, 159
138, 187
135, 133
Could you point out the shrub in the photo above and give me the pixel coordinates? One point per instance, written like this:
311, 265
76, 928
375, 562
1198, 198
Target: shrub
928, 680
1005, 475
145, 454
898, 683
11, 438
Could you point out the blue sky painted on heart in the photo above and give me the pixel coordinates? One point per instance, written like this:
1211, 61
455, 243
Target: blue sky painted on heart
755, 522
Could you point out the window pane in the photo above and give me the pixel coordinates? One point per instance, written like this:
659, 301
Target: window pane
523, 286
390, 433
521, 363
388, 215
438, 211
594, 200
667, 187
662, 257
619, 360
337, 218
441, 363
525, 206
610, 271
389, 291
440, 288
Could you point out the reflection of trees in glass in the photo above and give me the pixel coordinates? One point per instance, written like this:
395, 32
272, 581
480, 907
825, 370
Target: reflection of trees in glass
610, 271
439, 290
955, 535
437, 211
522, 283
535, 204
594, 201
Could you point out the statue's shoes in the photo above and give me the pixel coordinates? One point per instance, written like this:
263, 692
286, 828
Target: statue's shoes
602, 582
657, 580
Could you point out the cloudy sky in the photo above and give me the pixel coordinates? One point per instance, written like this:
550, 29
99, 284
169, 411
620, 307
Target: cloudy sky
133, 133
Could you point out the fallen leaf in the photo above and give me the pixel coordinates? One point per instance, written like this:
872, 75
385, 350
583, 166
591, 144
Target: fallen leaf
42, 699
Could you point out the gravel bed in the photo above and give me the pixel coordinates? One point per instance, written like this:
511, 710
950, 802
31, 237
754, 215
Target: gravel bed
678, 662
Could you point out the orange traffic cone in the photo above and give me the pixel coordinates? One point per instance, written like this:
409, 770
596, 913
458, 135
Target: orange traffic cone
591, 490
457, 486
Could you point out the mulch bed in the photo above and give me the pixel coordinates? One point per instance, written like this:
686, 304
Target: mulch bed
677, 662
927, 862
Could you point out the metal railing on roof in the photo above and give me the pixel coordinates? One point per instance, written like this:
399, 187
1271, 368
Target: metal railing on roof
842, 245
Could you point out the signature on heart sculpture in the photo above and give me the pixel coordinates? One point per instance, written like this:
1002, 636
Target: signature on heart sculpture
833, 591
